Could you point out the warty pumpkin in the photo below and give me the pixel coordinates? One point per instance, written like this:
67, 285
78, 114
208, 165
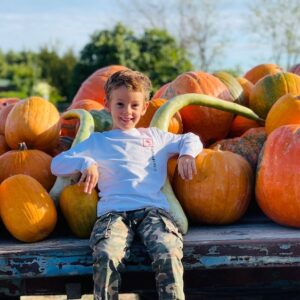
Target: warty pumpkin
79, 209
248, 145
26, 208
34, 121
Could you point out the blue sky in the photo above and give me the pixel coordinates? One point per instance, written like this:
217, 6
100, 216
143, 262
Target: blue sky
30, 24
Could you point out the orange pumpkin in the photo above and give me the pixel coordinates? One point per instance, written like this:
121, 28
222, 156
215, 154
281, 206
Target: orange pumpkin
175, 125
34, 163
278, 176
286, 110
270, 88
259, 71
240, 125
34, 121
93, 86
79, 209
220, 192
26, 208
69, 127
209, 123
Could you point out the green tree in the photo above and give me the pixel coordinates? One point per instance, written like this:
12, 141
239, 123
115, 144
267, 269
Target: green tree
22, 71
155, 53
160, 57
106, 47
57, 70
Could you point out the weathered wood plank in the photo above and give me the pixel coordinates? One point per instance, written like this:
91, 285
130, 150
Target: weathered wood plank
242, 245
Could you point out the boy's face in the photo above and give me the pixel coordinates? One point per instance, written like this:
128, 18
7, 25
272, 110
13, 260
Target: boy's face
126, 107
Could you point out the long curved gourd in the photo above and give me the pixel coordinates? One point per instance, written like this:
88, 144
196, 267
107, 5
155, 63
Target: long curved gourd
86, 127
161, 120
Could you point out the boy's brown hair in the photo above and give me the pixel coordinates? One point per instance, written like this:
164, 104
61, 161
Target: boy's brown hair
132, 80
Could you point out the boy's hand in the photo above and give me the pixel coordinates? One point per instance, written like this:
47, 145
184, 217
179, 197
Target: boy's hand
89, 178
186, 167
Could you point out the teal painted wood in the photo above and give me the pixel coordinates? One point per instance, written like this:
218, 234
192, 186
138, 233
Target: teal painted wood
242, 245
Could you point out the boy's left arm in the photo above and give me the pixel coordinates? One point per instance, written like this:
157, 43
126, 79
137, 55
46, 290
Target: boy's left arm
188, 146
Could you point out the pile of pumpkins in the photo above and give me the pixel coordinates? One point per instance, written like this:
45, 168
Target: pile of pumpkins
244, 160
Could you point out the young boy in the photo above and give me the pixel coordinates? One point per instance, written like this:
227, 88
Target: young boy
130, 167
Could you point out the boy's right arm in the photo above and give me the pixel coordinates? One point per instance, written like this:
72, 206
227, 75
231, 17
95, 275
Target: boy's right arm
77, 159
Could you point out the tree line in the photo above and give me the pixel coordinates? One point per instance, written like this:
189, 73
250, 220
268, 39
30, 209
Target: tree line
59, 76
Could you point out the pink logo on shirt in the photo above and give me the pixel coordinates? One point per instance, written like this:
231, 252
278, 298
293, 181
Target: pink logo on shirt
147, 142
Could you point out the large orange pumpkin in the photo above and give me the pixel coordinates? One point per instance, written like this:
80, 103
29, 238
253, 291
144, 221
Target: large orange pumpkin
34, 121
259, 71
220, 192
34, 163
209, 123
26, 208
175, 123
286, 110
278, 176
79, 209
93, 86
270, 88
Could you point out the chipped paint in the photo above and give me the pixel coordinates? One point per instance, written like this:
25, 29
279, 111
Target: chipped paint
285, 246
253, 261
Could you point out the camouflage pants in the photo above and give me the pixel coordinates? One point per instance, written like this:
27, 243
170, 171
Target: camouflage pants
110, 241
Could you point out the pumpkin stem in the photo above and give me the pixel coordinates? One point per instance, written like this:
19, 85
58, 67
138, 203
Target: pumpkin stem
22, 146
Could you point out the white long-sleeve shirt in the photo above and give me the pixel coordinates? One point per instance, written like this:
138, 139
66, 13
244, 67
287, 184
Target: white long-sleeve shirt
132, 165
